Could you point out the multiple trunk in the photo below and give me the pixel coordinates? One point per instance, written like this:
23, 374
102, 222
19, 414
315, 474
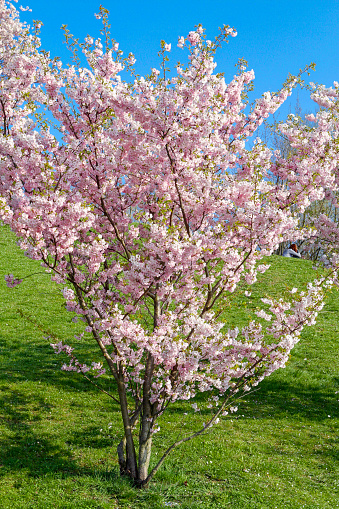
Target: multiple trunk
137, 468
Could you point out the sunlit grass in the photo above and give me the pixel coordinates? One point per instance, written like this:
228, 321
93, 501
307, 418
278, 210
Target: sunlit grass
59, 434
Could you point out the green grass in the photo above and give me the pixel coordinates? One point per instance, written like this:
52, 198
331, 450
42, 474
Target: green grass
59, 434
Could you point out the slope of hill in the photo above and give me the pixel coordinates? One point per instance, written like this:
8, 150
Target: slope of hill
59, 433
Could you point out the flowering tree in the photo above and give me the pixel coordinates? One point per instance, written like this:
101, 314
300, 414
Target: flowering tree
149, 209
321, 217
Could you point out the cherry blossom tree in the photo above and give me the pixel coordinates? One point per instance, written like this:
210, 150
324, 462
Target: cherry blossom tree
143, 200
321, 241
317, 243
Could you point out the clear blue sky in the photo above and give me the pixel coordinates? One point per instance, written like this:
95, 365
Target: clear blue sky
275, 36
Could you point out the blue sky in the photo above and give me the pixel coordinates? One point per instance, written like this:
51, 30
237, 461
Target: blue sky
275, 36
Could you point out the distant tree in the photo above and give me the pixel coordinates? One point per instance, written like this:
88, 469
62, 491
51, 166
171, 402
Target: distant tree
311, 244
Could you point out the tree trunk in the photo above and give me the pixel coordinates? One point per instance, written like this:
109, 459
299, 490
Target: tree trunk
145, 435
128, 464
145, 447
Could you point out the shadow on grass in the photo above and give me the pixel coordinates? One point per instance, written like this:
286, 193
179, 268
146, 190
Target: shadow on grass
23, 450
22, 409
38, 362
90, 437
275, 397
280, 399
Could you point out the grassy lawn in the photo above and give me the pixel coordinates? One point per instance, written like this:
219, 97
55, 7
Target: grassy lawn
58, 433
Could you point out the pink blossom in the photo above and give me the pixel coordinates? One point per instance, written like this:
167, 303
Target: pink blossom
11, 281
181, 42
263, 315
131, 59
194, 38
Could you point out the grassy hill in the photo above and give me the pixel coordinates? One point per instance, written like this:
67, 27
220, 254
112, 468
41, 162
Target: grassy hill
58, 433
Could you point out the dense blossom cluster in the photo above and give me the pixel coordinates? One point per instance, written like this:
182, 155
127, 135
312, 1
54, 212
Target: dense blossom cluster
150, 209
322, 233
